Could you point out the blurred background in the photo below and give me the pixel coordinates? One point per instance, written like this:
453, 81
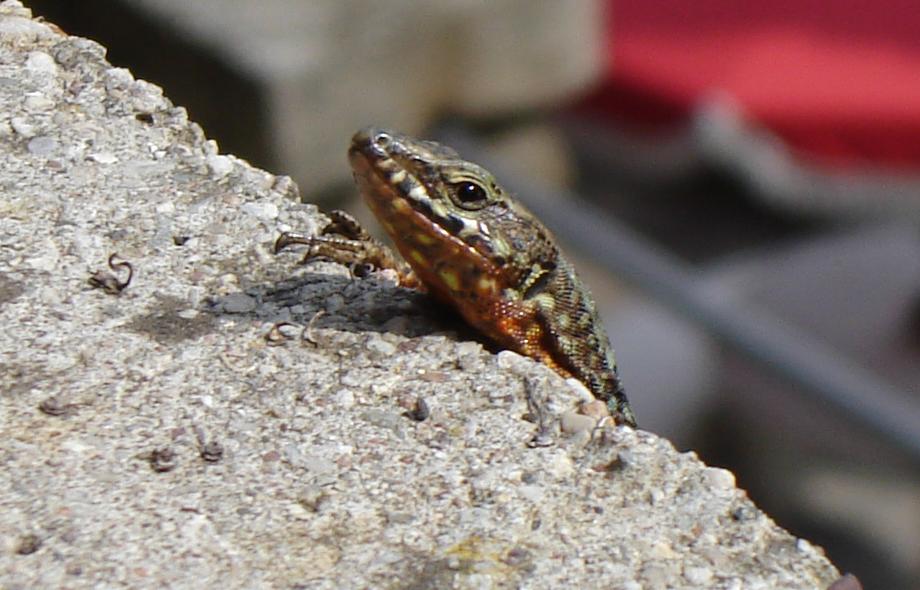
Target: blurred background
739, 184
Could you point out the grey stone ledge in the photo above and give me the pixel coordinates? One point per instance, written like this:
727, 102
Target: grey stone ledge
233, 419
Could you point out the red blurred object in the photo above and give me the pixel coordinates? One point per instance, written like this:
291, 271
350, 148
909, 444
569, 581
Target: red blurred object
838, 82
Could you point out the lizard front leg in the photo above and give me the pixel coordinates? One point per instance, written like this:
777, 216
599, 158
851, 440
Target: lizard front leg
346, 242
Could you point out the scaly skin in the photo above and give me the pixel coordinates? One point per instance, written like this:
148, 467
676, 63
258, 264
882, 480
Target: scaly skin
477, 249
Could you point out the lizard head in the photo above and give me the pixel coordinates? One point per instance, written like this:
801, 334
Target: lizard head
436, 205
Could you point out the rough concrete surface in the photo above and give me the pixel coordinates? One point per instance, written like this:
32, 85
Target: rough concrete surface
233, 419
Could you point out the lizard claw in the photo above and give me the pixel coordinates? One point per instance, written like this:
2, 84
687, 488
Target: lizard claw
287, 239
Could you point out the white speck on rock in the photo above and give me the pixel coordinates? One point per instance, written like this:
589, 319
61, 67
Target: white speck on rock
380, 346
718, 479
352, 379
75, 445
698, 576
560, 466
580, 389
104, 158
211, 148
662, 550
803, 546
263, 210
48, 259
39, 61
317, 465
655, 575
117, 79
37, 103
21, 126
512, 361
532, 493
345, 398
220, 166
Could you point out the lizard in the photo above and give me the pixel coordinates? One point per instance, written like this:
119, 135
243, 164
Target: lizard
468, 242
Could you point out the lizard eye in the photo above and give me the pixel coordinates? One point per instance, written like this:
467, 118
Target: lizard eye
470, 194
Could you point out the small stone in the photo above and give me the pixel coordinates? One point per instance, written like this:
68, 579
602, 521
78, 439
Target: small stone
803, 546
238, 303
384, 419
42, 145
48, 259
655, 576
21, 126
469, 356
21, 31
263, 210
312, 498
285, 186
352, 379
38, 102
211, 148
318, 465
572, 422
117, 80
560, 466
39, 61
698, 576
17, 10
220, 166
293, 454
532, 494
718, 479
345, 398
104, 158
579, 388
380, 346
662, 550
511, 361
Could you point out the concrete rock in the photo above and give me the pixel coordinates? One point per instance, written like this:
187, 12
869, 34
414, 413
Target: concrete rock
152, 437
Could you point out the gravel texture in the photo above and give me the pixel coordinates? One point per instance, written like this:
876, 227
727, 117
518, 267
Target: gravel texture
230, 418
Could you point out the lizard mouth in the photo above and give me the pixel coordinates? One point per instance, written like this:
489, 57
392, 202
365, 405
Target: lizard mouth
394, 179
387, 184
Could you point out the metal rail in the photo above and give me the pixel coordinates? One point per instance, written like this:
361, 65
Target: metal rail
777, 345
